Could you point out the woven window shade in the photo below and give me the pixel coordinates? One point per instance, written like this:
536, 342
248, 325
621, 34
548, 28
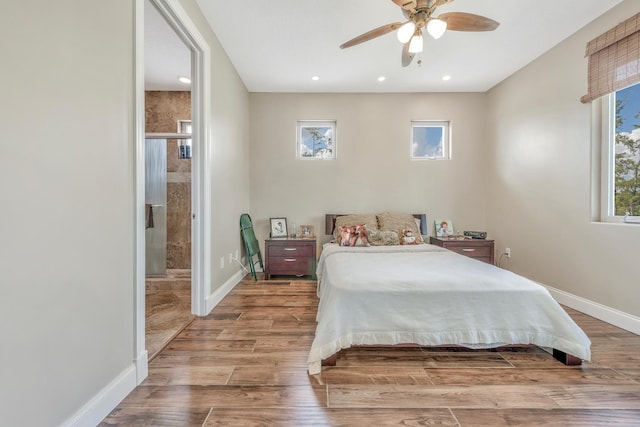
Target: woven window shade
614, 59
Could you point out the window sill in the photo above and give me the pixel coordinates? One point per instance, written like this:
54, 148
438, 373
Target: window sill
628, 219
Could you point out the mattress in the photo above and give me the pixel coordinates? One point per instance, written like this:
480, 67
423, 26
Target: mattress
427, 295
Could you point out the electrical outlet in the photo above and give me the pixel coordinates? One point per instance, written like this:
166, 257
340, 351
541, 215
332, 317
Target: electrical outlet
243, 260
221, 262
237, 254
507, 252
230, 257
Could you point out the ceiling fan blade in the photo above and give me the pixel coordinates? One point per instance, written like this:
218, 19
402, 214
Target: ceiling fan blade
406, 4
407, 56
376, 32
460, 21
438, 3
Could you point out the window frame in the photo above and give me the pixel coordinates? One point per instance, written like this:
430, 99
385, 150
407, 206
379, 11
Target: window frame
603, 164
302, 124
446, 135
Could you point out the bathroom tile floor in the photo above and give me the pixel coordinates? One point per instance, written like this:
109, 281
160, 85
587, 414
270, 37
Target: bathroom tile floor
168, 308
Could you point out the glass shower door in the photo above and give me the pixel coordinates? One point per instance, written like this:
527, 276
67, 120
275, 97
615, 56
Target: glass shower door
156, 206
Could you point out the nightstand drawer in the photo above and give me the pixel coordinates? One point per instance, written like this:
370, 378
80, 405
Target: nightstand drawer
291, 265
471, 251
481, 250
291, 250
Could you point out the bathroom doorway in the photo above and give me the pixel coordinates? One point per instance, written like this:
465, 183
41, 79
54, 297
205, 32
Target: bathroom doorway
169, 292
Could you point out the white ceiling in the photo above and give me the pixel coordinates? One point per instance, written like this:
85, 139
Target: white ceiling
166, 57
278, 45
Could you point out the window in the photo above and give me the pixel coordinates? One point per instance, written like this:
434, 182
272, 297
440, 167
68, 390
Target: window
620, 155
430, 140
316, 140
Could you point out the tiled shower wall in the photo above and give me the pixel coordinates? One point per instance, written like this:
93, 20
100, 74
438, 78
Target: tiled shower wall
162, 112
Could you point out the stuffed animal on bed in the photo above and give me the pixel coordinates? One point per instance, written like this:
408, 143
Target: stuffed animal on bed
355, 235
363, 235
407, 237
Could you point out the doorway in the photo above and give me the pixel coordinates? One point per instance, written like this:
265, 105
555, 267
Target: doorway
185, 30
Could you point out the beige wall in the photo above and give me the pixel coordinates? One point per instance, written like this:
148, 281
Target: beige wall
540, 184
372, 172
67, 201
67, 261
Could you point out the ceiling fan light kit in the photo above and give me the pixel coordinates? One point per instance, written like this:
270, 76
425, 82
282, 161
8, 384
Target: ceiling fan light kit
417, 43
406, 31
436, 28
420, 15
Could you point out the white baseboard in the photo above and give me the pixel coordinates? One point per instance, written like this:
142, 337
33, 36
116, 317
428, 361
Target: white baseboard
142, 366
217, 295
100, 405
610, 315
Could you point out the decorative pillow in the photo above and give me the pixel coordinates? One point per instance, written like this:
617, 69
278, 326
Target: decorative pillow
398, 222
383, 238
369, 220
356, 235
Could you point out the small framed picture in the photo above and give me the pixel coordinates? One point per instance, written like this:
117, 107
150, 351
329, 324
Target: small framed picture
444, 228
278, 227
307, 232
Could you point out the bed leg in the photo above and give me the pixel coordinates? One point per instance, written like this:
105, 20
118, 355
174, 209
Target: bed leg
330, 361
567, 359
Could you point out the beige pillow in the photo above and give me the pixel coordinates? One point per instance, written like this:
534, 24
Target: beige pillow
398, 222
383, 238
369, 220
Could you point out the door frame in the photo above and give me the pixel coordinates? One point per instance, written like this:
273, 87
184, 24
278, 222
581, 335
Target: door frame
185, 28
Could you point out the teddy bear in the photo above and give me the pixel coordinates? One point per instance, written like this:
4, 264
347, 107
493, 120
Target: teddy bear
407, 237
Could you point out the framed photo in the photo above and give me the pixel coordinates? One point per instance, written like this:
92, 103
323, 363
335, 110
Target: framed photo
307, 232
444, 228
278, 227
316, 140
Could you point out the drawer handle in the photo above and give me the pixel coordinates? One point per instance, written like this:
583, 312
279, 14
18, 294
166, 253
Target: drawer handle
290, 260
468, 250
290, 249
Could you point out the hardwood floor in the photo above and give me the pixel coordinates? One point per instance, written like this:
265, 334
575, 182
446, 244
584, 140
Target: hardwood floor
245, 365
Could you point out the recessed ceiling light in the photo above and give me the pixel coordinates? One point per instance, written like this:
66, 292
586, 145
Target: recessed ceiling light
446, 77
315, 78
382, 78
185, 80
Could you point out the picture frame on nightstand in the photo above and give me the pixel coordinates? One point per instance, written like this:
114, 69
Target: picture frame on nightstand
307, 232
278, 227
444, 228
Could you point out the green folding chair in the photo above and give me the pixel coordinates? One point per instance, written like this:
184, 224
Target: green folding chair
250, 243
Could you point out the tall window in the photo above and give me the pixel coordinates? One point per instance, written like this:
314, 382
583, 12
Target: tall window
620, 155
430, 140
626, 192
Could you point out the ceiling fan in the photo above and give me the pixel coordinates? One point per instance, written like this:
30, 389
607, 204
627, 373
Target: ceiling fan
419, 14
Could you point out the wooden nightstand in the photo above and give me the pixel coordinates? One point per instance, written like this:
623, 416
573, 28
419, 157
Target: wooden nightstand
473, 248
289, 257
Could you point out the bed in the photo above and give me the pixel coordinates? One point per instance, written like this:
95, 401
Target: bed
426, 295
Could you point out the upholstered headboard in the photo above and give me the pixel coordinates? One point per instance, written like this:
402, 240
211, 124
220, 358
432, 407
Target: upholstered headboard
330, 223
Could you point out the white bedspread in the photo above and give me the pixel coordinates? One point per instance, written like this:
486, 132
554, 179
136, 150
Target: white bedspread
427, 295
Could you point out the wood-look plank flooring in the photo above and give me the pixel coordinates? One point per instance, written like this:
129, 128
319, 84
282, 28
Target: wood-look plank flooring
245, 365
